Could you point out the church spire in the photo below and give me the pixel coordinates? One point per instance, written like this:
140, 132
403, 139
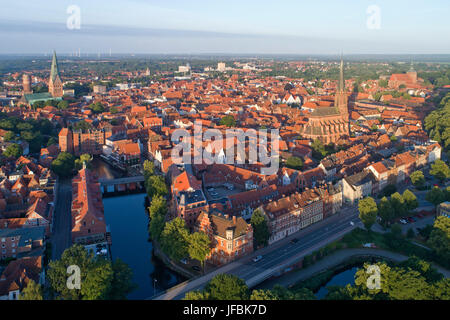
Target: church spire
54, 71
55, 85
341, 86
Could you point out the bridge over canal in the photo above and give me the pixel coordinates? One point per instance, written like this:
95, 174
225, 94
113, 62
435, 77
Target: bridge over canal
121, 184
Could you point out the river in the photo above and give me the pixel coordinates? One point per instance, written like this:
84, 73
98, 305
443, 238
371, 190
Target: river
127, 217
341, 279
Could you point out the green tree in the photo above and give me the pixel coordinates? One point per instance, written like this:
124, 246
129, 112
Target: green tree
396, 230
196, 295
410, 200
158, 207
199, 247
263, 295
156, 227
64, 164
156, 185
227, 287
9, 136
368, 211
32, 291
440, 170
175, 239
383, 83
100, 279
122, 281
398, 204
447, 193
63, 105
410, 233
294, 163
439, 239
417, 178
319, 150
149, 169
283, 293
228, 121
261, 233
385, 211
97, 107
435, 196
82, 125
84, 158
13, 151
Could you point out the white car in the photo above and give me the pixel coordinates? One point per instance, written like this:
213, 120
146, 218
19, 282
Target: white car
256, 259
403, 221
352, 223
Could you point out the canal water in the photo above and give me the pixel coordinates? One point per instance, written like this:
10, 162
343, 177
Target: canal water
128, 219
341, 279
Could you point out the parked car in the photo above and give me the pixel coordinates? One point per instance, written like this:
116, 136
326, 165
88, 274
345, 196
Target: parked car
403, 221
410, 219
352, 223
196, 268
414, 219
183, 261
419, 215
256, 259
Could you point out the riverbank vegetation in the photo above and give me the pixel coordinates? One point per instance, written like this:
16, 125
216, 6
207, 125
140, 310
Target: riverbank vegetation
101, 279
172, 236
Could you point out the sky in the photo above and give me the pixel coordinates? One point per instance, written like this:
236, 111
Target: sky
232, 26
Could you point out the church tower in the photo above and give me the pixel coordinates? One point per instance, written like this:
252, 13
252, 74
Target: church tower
26, 80
55, 85
341, 99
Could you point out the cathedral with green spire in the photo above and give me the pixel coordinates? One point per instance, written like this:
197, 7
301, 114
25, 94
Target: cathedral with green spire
55, 87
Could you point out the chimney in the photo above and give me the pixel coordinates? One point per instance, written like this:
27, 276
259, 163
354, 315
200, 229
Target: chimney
234, 219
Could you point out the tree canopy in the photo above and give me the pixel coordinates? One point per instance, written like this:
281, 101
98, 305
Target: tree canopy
14, 150
32, 291
228, 121
64, 164
175, 239
100, 279
261, 233
294, 163
368, 211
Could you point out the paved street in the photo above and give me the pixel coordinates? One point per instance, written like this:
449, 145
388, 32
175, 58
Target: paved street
278, 256
61, 238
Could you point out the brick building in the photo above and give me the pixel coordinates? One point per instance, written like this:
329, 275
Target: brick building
231, 236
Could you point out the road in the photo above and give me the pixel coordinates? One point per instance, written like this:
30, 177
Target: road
277, 256
61, 238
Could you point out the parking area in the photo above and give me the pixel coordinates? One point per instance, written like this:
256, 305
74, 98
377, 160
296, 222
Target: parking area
220, 192
417, 222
